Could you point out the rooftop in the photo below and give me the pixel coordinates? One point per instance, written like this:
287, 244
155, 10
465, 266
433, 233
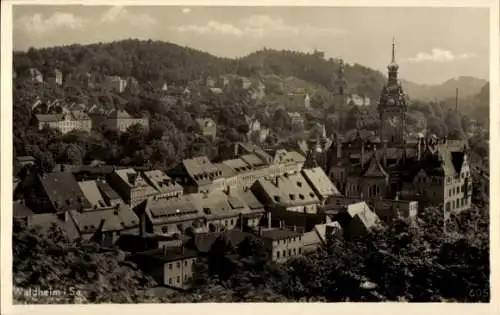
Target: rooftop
289, 190
318, 179
109, 219
279, 234
63, 191
167, 255
161, 181
168, 208
92, 193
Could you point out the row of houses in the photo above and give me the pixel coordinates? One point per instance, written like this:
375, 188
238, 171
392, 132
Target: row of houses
168, 220
69, 120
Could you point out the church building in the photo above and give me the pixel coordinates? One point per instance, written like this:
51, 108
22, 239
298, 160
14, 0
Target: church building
390, 165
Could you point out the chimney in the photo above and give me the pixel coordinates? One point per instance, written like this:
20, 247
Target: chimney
397, 196
142, 223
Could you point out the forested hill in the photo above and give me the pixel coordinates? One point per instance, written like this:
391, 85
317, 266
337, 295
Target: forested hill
161, 61
144, 60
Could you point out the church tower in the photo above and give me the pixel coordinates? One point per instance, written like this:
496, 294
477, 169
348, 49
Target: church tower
339, 85
392, 106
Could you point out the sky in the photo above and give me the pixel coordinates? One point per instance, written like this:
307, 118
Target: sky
432, 44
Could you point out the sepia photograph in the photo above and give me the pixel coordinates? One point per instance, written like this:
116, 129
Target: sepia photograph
235, 154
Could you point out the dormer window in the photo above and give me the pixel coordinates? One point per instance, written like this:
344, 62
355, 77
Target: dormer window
292, 197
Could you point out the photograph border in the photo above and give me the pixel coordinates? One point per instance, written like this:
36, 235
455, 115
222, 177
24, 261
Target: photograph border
248, 308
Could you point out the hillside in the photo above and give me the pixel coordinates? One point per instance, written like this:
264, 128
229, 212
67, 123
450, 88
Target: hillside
468, 86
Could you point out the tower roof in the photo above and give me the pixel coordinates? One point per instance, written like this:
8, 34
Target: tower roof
393, 65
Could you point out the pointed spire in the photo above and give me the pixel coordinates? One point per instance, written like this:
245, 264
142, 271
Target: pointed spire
393, 50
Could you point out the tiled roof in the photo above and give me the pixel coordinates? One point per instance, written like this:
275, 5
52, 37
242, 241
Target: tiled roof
252, 159
171, 208
238, 165
92, 193
107, 191
203, 241
249, 198
112, 219
320, 182
63, 191
134, 179
227, 171
161, 181
46, 220
364, 213
215, 204
200, 166
289, 190
168, 255
279, 234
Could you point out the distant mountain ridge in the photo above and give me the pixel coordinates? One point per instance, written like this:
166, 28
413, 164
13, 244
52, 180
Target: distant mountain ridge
467, 86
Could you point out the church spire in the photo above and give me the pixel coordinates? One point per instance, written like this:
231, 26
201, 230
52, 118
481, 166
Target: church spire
393, 66
393, 50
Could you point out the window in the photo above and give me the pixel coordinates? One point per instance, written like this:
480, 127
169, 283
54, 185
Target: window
170, 266
449, 193
448, 206
185, 277
289, 252
169, 280
178, 279
178, 264
185, 263
295, 251
300, 250
278, 254
164, 229
232, 221
284, 253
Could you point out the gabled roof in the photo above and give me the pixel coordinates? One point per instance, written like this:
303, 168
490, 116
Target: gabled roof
250, 200
217, 203
171, 209
363, 212
200, 166
252, 159
161, 181
320, 182
133, 179
92, 193
203, 241
109, 219
63, 191
107, 191
375, 169
288, 190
